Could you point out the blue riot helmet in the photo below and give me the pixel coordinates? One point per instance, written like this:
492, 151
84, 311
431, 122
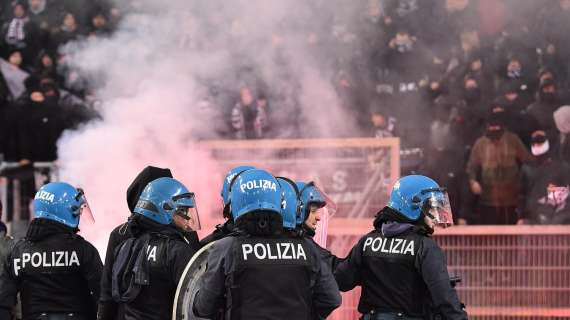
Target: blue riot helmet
226, 187
311, 194
416, 196
291, 204
163, 198
255, 190
61, 202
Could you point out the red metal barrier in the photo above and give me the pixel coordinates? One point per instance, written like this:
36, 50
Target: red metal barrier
508, 272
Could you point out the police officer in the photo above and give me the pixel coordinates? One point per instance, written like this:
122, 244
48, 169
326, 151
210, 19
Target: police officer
257, 272
148, 266
222, 230
401, 269
108, 308
55, 270
313, 203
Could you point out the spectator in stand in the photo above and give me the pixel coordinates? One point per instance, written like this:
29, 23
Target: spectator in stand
249, 117
494, 173
515, 118
16, 59
69, 30
562, 137
550, 204
44, 66
383, 125
444, 154
471, 112
518, 77
99, 25
43, 19
536, 177
19, 33
544, 106
40, 124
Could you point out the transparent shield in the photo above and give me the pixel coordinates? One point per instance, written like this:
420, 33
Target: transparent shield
439, 208
190, 283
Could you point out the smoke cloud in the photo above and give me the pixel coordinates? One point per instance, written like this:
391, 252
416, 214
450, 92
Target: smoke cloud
169, 76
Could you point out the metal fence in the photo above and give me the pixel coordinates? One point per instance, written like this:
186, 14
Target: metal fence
508, 272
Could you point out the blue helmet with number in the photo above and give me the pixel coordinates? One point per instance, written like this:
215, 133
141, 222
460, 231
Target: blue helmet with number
226, 187
255, 190
416, 196
162, 198
60, 202
291, 204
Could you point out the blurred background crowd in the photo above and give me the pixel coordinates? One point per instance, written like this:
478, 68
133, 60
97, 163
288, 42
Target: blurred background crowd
478, 90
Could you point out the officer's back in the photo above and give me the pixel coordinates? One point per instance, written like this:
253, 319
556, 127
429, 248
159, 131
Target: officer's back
402, 271
262, 273
56, 271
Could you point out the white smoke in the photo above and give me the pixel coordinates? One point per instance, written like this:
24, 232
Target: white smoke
154, 76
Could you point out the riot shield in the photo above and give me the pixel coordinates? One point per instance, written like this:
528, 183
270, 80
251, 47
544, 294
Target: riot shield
189, 284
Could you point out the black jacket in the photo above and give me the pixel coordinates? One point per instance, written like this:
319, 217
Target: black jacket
399, 272
165, 255
286, 280
221, 231
55, 271
108, 308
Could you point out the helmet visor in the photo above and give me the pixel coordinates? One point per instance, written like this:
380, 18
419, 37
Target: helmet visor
187, 209
84, 210
438, 208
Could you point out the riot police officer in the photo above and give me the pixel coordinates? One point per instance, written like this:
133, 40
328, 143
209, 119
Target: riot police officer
108, 308
148, 266
313, 205
56, 271
257, 272
222, 230
401, 269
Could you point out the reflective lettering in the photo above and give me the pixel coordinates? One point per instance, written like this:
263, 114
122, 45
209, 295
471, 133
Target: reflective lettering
246, 248
258, 184
410, 248
389, 245
152, 254
367, 242
46, 260
275, 251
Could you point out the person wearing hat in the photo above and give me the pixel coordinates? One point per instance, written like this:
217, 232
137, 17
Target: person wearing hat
494, 173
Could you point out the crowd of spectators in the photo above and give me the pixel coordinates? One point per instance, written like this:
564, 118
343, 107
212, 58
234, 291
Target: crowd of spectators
480, 86
52, 97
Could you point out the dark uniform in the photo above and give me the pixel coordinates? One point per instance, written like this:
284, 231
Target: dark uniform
108, 308
221, 231
330, 259
399, 269
267, 278
159, 254
56, 272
